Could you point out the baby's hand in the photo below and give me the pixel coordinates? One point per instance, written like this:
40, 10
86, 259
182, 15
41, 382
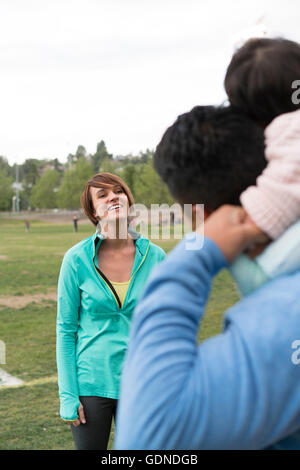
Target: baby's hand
256, 248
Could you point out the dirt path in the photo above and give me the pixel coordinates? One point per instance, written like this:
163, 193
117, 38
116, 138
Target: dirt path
19, 301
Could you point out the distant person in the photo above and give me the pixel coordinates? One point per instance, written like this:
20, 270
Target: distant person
240, 388
75, 223
100, 282
27, 226
172, 219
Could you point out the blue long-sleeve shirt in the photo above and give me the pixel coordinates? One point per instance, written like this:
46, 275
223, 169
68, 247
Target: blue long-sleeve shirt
237, 390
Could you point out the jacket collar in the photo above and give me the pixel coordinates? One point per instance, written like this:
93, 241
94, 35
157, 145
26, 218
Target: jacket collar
141, 242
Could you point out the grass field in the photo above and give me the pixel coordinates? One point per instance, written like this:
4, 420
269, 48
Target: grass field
29, 267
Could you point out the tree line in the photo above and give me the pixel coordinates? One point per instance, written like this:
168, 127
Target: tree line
50, 184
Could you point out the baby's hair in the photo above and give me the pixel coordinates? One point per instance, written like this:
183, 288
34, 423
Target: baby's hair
260, 75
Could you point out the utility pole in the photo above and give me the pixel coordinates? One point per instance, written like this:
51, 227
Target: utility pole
17, 188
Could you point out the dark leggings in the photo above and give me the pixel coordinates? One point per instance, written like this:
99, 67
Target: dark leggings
94, 434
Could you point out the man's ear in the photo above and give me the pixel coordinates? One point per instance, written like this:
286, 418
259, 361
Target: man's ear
207, 213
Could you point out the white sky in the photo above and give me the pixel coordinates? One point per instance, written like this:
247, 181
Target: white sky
74, 72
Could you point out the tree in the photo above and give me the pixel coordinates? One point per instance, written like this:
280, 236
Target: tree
80, 152
56, 165
130, 175
73, 158
149, 188
4, 166
146, 156
98, 158
29, 172
109, 166
6, 191
73, 184
43, 195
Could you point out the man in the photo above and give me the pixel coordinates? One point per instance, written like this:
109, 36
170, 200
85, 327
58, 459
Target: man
75, 223
239, 389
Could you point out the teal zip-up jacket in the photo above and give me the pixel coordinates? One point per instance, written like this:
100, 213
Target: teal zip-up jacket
92, 326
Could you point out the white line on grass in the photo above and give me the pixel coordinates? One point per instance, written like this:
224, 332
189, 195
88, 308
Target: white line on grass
7, 380
31, 383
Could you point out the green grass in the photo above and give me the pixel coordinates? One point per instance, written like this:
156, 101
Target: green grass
33, 259
30, 414
30, 419
29, 335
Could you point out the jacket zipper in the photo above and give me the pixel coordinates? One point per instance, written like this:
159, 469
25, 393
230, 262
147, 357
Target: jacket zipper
144, 257
107, 281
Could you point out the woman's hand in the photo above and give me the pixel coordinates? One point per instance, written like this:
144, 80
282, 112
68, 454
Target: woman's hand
233, 231
81, 417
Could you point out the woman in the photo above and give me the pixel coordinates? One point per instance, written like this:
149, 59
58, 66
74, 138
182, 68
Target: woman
100, 281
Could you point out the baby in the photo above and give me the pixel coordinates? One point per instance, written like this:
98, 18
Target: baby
274, 205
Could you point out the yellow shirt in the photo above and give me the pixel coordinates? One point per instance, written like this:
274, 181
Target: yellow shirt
121, 289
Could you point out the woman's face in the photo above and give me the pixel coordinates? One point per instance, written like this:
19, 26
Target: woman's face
109, 203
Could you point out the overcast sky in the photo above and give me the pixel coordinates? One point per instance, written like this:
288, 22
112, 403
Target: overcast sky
74, 72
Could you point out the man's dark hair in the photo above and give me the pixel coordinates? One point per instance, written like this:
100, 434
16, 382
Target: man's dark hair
210, 155
260, 75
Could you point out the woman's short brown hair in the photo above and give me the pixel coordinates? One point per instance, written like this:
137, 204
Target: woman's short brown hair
101, 180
